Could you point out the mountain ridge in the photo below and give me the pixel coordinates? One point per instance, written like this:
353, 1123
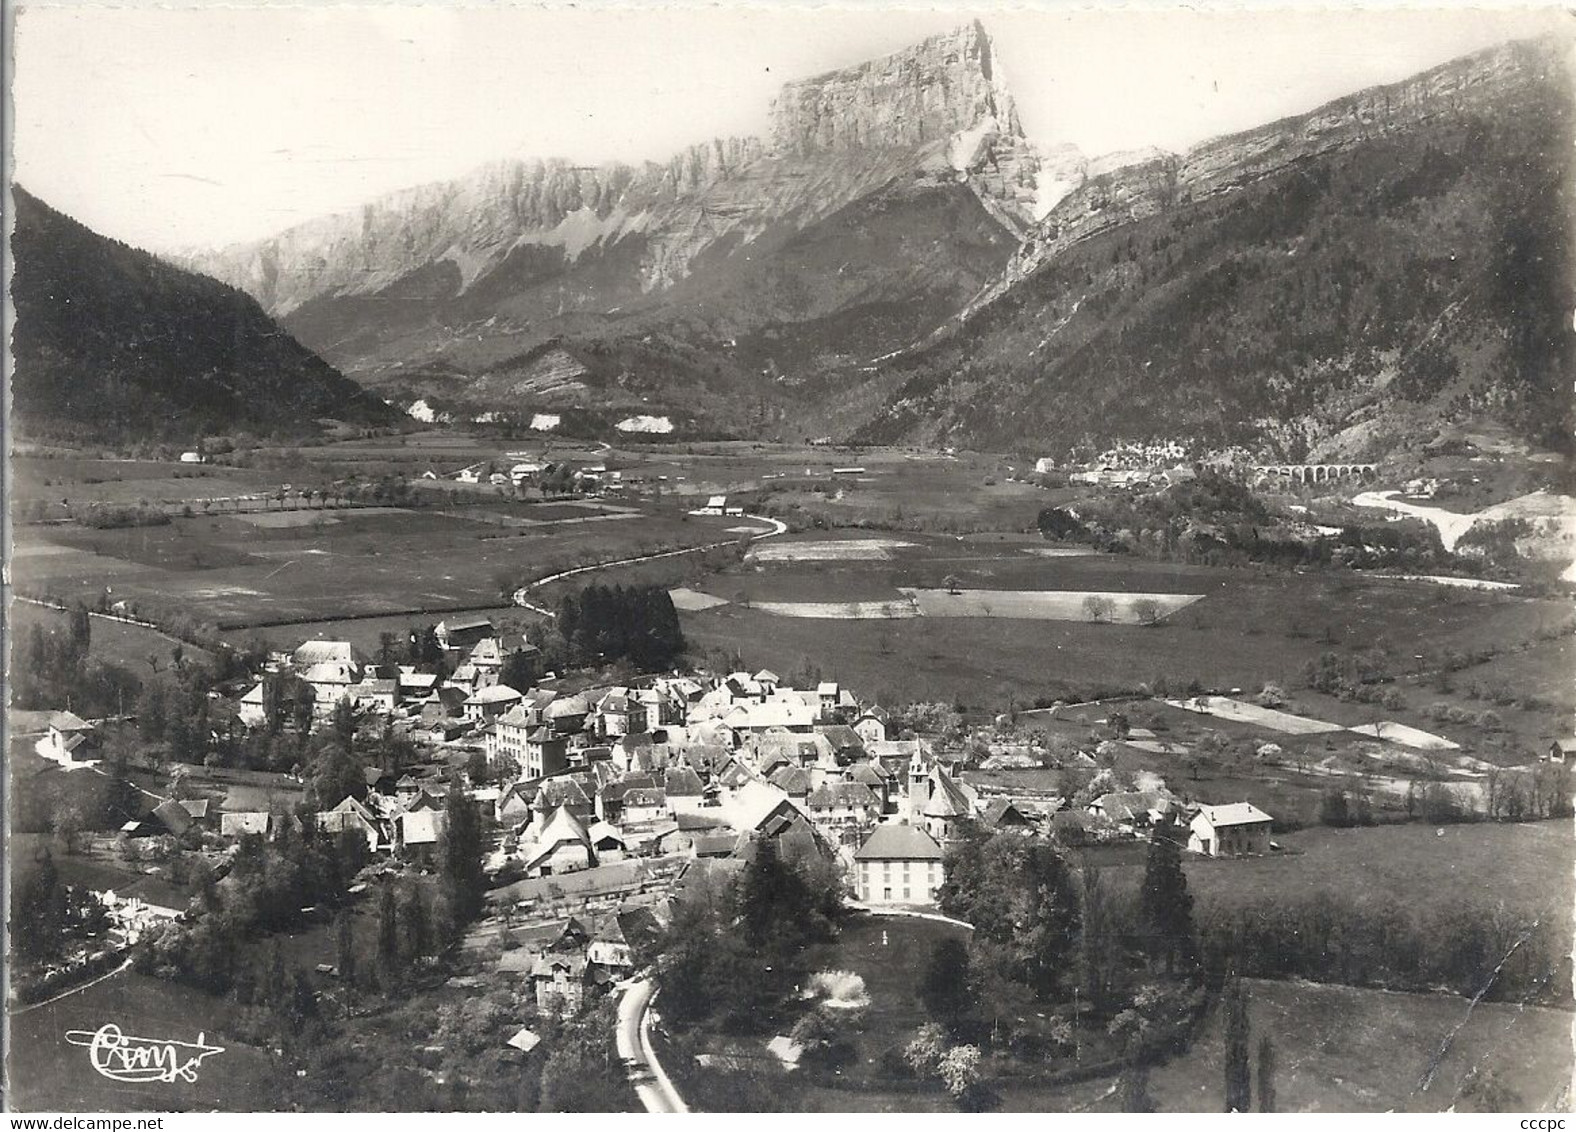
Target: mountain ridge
112, 341
1340, 282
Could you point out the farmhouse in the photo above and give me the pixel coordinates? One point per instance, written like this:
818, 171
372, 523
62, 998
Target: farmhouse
350, 816
251, 711
1563, 751
898, 864
463, 632
562, 846
63, 736
310, 653
416, 833
331, 681
1230, 831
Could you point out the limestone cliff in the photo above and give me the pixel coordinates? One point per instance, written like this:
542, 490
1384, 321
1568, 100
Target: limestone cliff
610, 234
1494, 81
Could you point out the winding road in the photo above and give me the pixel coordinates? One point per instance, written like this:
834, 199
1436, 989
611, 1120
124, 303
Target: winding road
778, 527
633, 1041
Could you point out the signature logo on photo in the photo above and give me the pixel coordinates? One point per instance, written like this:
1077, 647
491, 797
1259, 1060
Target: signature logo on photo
125, 1057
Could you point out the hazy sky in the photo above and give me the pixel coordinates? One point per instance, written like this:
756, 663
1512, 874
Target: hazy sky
174, 128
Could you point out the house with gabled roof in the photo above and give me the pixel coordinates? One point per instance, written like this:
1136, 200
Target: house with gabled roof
608, 843
342, 653
842, 741
559, 979
175, 816
416, 833
253, 823
793, 781
357, 821
879, 781
567, 714
514, 805
463, 632
566, 791
898, 864
838, 804
872, 724
1134, 810
62, 736
1004, 814
380, 696
1239, 829
486, 704
562, 845
249, 708
645, 806
610, 796
733, 775
331, 682
683, 786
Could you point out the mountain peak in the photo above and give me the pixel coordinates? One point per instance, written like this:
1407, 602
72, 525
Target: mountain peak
937, 88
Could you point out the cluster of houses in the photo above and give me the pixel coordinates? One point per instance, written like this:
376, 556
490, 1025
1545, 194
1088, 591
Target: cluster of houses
604, 803
437, 709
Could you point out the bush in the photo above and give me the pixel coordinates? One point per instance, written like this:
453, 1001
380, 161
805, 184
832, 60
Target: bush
1098, 608
1147, 610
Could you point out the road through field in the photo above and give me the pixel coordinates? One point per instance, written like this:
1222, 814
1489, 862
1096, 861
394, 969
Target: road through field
778, 527
126, 966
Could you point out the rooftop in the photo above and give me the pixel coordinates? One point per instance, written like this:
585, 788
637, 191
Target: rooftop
899, 842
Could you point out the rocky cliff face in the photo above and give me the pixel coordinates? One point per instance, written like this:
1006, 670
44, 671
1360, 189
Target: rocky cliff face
1497, 81
939, 110
1347, 282
925, 93
473, 223
945, 95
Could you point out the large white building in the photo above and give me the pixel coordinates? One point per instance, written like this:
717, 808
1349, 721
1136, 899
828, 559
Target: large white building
898, 864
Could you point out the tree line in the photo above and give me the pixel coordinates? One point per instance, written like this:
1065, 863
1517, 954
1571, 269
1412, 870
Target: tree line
605, 624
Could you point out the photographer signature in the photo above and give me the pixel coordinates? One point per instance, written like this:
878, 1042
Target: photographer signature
124, 1057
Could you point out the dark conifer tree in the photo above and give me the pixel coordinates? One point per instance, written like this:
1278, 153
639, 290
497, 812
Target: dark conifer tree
1239, 1080
388, 935
1266, 1074
345, 947
1165, 905
460, 854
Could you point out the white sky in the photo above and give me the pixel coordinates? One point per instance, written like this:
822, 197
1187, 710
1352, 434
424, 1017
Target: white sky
174, 128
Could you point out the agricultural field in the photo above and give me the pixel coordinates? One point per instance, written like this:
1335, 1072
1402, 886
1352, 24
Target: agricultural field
228, 570
49, 481
1345, 1049
112, 642
1417, 866
1246, 627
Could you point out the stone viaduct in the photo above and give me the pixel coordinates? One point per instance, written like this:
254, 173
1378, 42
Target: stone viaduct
1318, 473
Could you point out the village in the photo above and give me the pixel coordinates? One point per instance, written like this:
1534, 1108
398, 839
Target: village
599, 803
